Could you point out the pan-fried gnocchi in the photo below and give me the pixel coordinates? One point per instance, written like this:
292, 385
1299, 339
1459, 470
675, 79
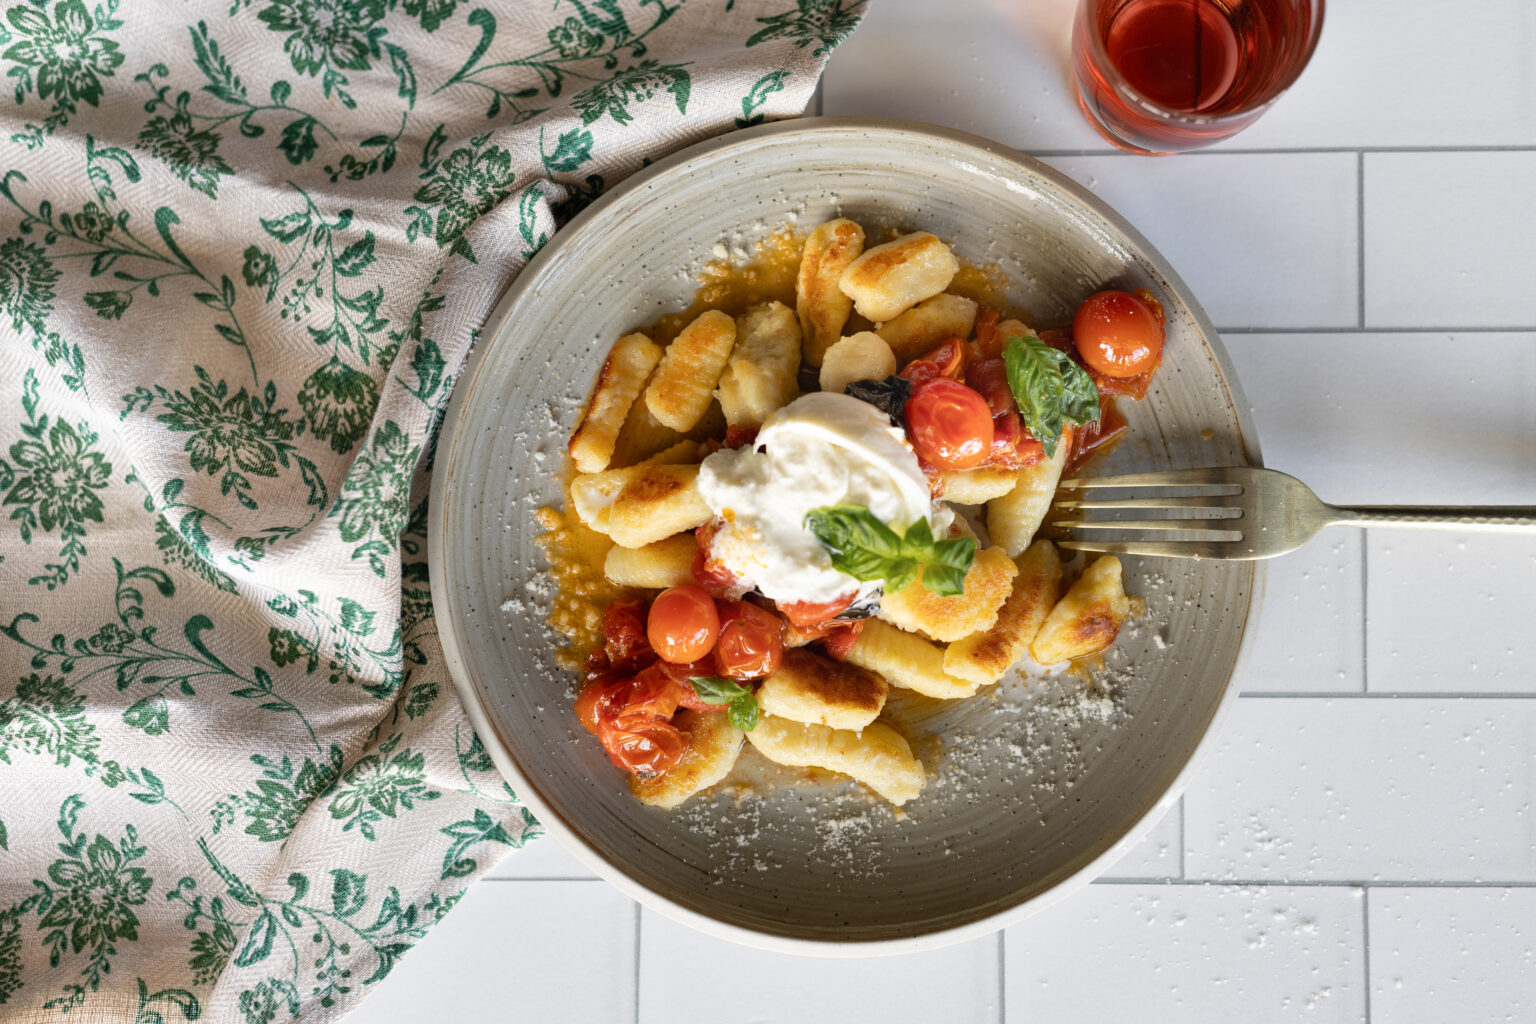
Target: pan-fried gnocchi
890, 279
784, 559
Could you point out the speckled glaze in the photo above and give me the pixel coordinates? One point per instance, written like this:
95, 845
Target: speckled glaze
1033, 791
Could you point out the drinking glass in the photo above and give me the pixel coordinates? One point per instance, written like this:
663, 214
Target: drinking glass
1161, 76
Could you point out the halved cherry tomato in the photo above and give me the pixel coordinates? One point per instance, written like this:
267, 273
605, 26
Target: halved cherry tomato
680, 676
683, 623
948, 360
806, 614
652, 694
989, 377
1117, 334
949, 424
751, 642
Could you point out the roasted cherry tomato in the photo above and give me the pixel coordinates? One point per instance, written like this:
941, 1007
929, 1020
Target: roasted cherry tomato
989, 377
642, 747
683, 623
1117, 334
652, 694
716, 579
989, 343
603, 695
680, 676
840, 639
948, 360
751, 642
806, 614
624, 640
949, 424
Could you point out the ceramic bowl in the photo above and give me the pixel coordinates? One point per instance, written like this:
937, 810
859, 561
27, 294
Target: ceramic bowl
1036, 787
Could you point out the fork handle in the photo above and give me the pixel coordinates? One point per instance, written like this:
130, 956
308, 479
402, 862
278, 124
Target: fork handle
1466, 518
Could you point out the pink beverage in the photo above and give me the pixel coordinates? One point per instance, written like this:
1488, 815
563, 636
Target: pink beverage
1160, 76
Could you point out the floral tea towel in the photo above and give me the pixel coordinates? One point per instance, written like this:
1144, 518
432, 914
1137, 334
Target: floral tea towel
244, 246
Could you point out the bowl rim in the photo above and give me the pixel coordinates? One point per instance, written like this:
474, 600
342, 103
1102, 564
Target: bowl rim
549, 817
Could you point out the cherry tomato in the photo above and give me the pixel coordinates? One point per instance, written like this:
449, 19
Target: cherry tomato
989, 377
841, 638
683, 623
988, 343
751, 642
683, 692
805, 614
1117, 334
948, 360
652, 694
603, 695
1012, 447
624, 640
949, 424
642, 747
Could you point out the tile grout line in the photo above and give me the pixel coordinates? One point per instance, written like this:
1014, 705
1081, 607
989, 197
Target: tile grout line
637, 963
1406, 329
1360, 229
1002, 977
1387, 695
1289, 151
1319, 883
1365, 942
1365, 619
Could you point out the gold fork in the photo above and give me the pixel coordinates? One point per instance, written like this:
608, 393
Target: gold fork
1241, 513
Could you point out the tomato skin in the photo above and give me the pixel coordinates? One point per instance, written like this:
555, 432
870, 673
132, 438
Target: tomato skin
642, 747
751, 643
988, 343
683, 692
841, 638
683, 623
949, 424
1117, 334
624, 635
603, 695
948, 360
989, 378
807, 614
716, 580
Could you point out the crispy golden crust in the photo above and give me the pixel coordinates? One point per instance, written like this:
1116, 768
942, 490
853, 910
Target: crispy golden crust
819, 302
984, 657
657, 502
1087, 619
713, 746
683, 386
906, 660
877, 756
890, 279
810, 688
920, 329
624, 373
917, 609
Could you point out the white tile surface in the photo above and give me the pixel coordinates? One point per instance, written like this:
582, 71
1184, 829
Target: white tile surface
544, 857
685, 975
1452, 955
1451, 613
1395, 73
1384, 418
1159, 854
1450, 239
1310, 621
1156, 954
999, 69
518, 951
1367, 789
1261, 241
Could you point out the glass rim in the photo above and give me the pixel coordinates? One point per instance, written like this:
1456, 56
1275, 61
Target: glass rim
1151, 107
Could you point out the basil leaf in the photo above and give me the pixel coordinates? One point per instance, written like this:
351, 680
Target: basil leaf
845, 528
955, 553
944, 580
743, 712
714, 690
865, 548
1050, 389
889, 396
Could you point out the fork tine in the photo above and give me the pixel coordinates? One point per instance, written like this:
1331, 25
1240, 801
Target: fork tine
1177, 525
1166, 548
1210, 502
1231, 476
